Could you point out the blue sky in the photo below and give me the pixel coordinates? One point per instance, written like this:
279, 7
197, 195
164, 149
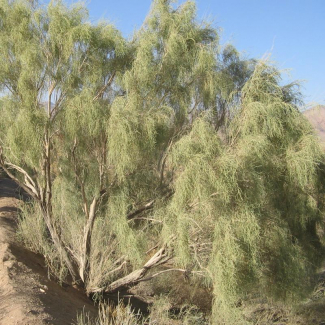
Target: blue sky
292, 30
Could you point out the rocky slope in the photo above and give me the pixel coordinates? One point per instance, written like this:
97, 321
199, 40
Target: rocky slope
316, 117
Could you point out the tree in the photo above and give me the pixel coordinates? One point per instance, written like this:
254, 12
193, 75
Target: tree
51, 59
247, 209
161, 149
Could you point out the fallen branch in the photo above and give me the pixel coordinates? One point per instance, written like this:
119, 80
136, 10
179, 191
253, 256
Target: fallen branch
135, 277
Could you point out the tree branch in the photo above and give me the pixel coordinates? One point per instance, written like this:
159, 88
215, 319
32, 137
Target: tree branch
84, 260
147, 206
28, 186
81, 183
135, 276
101, 92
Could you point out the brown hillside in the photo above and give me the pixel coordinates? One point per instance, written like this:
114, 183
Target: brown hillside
316, 117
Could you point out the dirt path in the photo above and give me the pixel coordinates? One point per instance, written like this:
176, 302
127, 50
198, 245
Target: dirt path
27, 296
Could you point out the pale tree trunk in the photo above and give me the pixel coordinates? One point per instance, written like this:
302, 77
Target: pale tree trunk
136, 276
90, 215
44, 202
59, 245
86, 244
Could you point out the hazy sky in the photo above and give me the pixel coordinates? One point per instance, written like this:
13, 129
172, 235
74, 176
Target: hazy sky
292, 30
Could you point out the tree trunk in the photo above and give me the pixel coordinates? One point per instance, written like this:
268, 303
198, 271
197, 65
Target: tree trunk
86, 246
59, 245
136, 276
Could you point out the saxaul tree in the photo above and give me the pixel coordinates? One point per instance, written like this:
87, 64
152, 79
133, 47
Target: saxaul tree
52, 58
165, 148
176, 75
248, 207
84, 110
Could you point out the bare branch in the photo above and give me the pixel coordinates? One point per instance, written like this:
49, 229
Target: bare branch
145, 207
101, 92
151, 249
81, 183
28, 186
148, 206
119, 268
135, 276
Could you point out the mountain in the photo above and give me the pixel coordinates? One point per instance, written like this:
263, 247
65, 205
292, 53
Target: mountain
316, 117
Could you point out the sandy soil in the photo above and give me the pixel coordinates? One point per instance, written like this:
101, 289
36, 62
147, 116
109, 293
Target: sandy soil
27, 296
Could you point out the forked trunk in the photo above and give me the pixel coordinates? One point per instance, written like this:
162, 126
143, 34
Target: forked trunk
86, 245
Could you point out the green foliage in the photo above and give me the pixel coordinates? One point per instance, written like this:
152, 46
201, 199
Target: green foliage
110, 315
242, 191
124, 314
133, 134
128, 242
32, 232
163, 139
